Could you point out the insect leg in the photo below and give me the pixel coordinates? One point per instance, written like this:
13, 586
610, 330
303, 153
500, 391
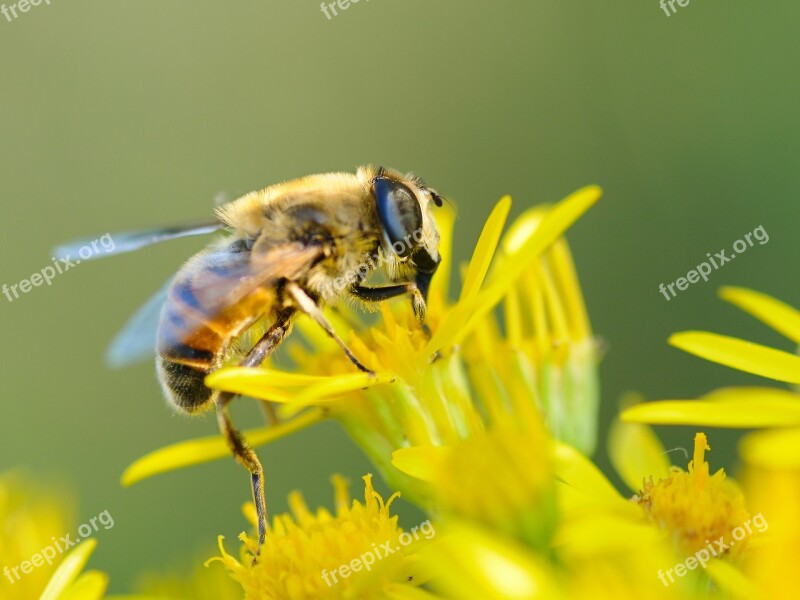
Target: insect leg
385, 292
270, 340
246, 457
381, 293
240, 449
306, 304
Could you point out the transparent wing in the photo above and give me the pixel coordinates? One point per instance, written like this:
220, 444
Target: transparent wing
228, 285
136, 341
128, 241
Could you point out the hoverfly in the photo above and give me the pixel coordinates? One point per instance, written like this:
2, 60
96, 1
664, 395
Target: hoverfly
289, 248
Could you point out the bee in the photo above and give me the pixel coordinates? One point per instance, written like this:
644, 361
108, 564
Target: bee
288, 249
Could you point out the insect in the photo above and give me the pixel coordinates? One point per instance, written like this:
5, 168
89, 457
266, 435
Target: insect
289, 248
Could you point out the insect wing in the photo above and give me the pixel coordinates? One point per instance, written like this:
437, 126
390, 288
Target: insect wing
225, 281
136, 341
129, 241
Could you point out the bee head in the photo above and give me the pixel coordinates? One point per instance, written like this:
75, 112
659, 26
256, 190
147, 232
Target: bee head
403, 207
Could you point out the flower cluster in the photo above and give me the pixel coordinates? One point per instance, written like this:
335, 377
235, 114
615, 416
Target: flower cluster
487, 420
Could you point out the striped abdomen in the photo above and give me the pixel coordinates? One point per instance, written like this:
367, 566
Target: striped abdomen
200, 318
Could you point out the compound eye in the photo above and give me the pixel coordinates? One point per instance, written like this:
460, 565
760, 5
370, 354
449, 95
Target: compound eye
400, 214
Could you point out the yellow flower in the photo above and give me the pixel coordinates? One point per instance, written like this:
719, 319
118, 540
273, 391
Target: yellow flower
632, 546
472, 386
459, 419
605, 547
457, 391
549, 345
32, 520
357, 552
694, 506
772, 456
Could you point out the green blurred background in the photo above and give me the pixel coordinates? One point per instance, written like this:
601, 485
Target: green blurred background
115, 117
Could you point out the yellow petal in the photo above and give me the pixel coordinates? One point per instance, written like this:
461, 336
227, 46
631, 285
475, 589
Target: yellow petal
485, 248
69, 570
731, 580
271, 376
740, 354
570, 290
440, 286
523, 228
261, 383
421, 462
333, 389
636, 453
756, 395
201, 450
728, 407
534, 231
464, 315
475, 563
272, 385
89, 586
779, 316
578, 472
593, 534
250, 514
135, 597
776, 449
395, 591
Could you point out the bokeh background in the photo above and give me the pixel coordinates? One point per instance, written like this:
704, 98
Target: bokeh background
123, 115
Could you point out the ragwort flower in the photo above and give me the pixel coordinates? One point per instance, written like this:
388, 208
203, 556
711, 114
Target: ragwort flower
772, 456
459, 420
357, 552
452, 387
